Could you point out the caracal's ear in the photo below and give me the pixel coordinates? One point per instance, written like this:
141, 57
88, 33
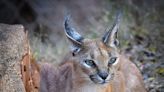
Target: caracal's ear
110, 37
74, 37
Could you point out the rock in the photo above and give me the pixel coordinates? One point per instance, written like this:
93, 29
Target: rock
12, 49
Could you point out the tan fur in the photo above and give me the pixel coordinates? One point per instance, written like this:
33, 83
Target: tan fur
56, 79
127, 78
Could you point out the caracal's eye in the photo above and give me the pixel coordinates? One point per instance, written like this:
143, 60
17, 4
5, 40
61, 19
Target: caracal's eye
90, 62
112, 61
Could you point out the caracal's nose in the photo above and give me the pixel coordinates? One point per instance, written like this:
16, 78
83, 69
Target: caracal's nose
103, 75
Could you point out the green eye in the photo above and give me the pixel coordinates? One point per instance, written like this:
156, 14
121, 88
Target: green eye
112, 60
90, 62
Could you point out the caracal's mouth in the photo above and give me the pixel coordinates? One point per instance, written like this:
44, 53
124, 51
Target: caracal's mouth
98, 80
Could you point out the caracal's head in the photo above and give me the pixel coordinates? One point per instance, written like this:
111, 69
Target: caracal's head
98, 58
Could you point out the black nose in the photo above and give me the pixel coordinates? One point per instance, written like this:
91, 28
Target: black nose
103, 75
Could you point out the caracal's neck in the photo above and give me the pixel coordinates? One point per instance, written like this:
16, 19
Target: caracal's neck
93, 88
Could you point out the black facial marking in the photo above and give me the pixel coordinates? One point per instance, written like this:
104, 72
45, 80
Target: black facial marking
99, 49
92, 56
109, 54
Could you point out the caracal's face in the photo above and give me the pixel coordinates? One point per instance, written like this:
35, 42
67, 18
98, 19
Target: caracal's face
97, 61
96, 58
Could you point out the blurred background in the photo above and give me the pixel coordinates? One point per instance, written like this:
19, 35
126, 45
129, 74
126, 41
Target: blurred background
141, 32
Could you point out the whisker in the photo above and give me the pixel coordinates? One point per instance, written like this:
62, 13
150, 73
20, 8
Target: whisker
80, 78
91, 82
